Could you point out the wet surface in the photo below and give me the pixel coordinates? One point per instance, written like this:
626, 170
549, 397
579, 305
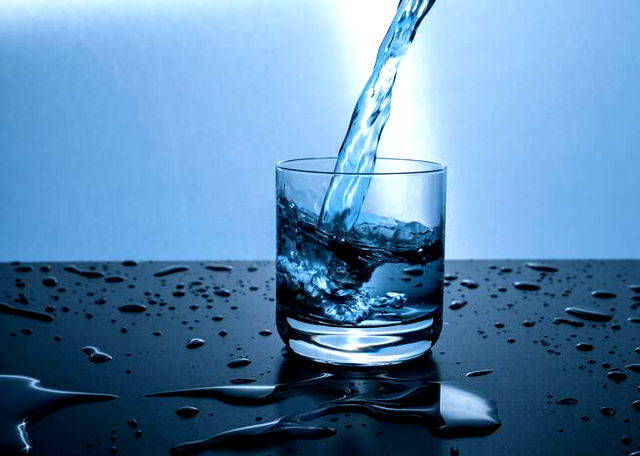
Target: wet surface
539, 379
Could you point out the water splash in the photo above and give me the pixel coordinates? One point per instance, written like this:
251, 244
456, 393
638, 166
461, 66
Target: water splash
346, 192
446, 410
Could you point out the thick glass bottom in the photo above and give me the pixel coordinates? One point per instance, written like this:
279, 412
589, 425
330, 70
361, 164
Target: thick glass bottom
359, 346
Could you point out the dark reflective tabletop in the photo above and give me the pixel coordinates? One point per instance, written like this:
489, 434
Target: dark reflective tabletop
553, 396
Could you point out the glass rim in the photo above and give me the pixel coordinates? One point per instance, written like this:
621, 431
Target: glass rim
286, 165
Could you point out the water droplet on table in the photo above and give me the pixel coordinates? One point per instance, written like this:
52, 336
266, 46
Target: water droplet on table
541, 267
457, 304
115, 279
588, 314
603, 294
196, 342
607, 411
527, 286
568, 321
22, 312
96, 355
219, 268
87, 273
187, 411
616, 375
468, 283
239, 362
478, 373
174, 269
132, 308
50, 281
583, 346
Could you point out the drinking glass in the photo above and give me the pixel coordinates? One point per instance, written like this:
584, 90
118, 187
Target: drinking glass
370, 294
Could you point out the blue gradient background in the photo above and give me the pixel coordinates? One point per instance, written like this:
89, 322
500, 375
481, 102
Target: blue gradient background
149, 129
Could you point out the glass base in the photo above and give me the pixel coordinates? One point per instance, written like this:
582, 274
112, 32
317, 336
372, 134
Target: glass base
358, 346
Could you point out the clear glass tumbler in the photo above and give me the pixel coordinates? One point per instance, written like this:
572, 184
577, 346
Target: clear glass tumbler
372, 294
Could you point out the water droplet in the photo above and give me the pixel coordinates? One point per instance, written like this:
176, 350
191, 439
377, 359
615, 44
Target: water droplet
635, 287
607, 411
132, 422
223, 293
588, 314
458, 304
96, 355
583, 346
174, 269
265, 332
87, 273
115, 279
21, 312
132, 308
636, 405
635, 367
196, 342
603, 294
616, 375
130, 263
187, 411
511, 340
137, 433
219, 268
468, 283
217, 318
242, 381
568, 321
24, 269
633, 319
478, 373
528, 323
567, 401
239, 362
498, 324
527, 286
541, 267
450, 277
50, 281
